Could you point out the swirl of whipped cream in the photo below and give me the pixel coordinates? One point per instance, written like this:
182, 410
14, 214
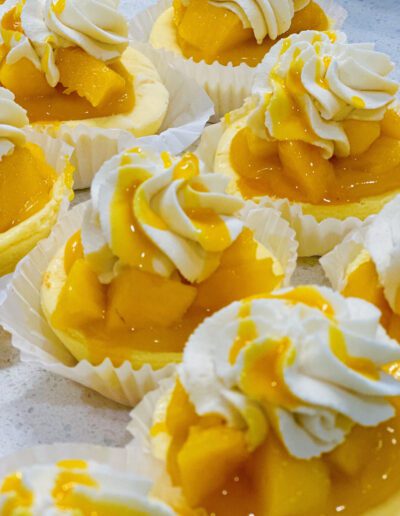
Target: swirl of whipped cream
182, 217
13, 120
94, 25
311, 82
305, 360
265, 17
69, 486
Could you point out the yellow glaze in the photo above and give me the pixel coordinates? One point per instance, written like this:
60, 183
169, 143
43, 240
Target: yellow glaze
356, 186
31, 194
207, 33
361, 476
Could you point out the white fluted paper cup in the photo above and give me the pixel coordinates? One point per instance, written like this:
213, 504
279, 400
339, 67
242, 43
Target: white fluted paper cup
22, 316
228, 85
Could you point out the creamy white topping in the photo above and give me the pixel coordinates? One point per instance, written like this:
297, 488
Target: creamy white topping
309, 83
96, 26
88, 487
265, 17
183, 215
312, 374
13, 120
380, 237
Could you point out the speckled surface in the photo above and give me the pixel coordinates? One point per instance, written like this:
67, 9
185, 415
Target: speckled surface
37, 407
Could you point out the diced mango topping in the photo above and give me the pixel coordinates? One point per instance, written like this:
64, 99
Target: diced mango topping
88, 76
139, 299
208, 458
24, 79
242, 273
82, 301
361, 135
288, 486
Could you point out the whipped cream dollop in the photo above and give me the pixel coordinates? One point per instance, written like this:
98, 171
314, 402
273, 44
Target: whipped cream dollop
96, 26
309, 83
265, 17
70, 487
384, 229
159, 214
13, 120
306, 361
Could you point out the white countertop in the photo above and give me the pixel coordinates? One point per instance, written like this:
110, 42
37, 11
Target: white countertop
37, 407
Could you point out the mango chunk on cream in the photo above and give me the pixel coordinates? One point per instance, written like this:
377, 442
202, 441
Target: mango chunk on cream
88, 76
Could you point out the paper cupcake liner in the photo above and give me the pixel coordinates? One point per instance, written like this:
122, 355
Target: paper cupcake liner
22, 316
335, 262
315, 238
116, 458
228, 85
188, 112
275, 233
58, 155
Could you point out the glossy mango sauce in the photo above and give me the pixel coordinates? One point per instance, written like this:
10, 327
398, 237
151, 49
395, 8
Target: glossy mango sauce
26, 183
363, 472
210, 33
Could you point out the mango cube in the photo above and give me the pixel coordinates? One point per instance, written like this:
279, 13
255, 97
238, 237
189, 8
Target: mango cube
77, 310
288, 486
207, 460
260, 148
181, 414
391, 123
24, 79
352, 455
139, 300
312, 17
361, 135
211, 29
88, 77
241, 274
304, 165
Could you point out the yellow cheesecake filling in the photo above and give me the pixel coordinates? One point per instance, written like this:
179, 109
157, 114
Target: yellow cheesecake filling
360, 473
210, 33
26, 183
88, 87
296, 170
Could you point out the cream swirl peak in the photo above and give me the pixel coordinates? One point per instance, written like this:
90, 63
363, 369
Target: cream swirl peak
160, 214
311, 82
265, 17
306, 361
96, 26
72, 486
13, 120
